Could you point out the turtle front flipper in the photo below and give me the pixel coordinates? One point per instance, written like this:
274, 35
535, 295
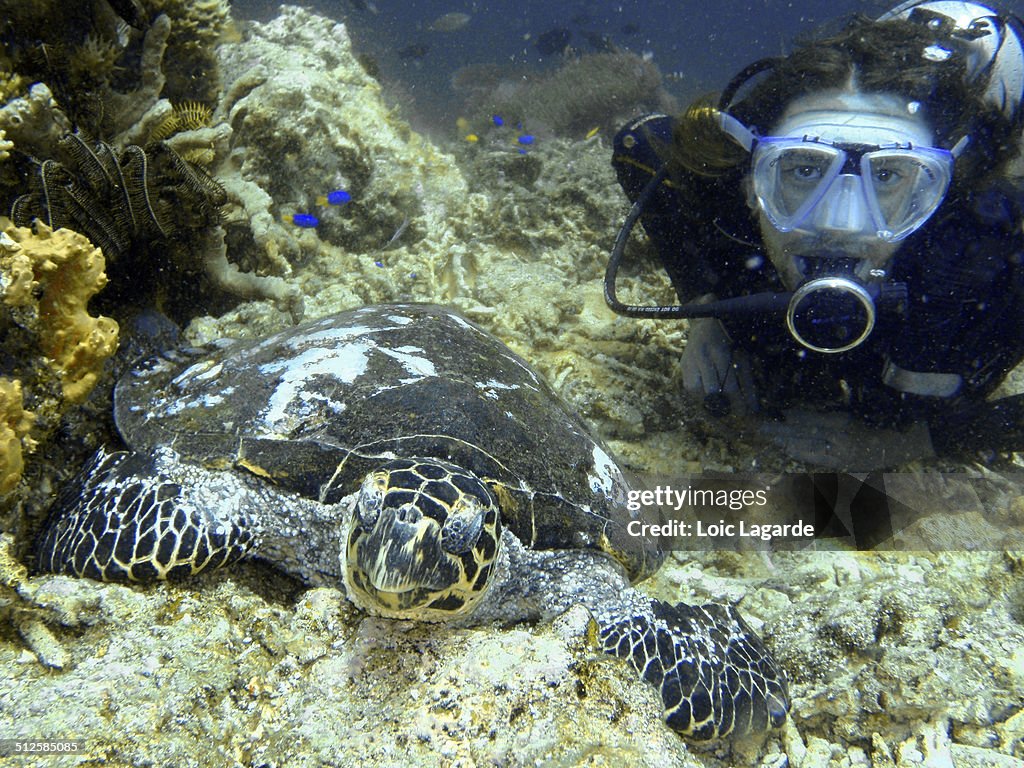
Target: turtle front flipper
715, 676
131, 516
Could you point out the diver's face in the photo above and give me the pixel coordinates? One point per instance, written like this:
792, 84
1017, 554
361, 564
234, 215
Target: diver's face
838, 226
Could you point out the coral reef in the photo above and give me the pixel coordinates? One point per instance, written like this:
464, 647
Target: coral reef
124, 190
34, 123
197, 26
124, 111
337, 135
15, 424
599, 90
103, 74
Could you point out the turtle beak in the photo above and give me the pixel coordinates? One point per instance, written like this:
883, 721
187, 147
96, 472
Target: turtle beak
402, 552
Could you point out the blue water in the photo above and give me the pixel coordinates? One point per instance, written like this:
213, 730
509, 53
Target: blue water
705, 42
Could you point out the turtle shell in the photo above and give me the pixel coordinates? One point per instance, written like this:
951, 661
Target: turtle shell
316, 407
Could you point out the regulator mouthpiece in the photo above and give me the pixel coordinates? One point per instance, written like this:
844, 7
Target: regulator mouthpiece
831, 314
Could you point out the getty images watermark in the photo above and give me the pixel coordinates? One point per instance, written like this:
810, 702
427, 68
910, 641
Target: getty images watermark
664, 498
830, 510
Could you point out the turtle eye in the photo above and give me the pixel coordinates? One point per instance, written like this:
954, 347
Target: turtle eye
369, 503
462, 530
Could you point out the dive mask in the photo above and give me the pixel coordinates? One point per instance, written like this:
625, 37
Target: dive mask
807, 182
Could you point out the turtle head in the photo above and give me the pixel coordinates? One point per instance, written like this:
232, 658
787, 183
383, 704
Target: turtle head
422, 541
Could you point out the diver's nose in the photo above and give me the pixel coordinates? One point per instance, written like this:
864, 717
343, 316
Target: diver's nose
844, 207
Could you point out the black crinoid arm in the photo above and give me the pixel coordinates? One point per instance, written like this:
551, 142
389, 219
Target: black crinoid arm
715, 676
124, 518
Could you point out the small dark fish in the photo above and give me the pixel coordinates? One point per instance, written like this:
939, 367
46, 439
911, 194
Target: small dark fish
414, 51
553, 41
450, 22
630, 29
600, 43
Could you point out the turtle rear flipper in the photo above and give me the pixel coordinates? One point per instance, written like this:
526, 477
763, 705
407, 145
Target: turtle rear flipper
715, 676
125, 518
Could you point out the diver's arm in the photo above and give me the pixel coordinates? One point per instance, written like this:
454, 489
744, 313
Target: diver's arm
840, 441
996, 426
716, 370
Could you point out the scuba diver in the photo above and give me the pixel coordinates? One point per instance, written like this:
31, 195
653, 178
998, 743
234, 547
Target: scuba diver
844, 235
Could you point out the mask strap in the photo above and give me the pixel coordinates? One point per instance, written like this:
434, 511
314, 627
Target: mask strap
741, 78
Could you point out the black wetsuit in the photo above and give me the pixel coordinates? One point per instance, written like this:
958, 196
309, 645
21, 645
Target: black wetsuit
961, 331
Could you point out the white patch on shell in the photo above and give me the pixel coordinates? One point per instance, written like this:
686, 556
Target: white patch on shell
344, 363
206, 401
200, 372
418, 367
489, 387
606, 475
463, 323
333, 406
339, 353
325, 334
526, 369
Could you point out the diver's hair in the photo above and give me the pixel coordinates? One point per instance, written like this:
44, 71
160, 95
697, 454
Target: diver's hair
877, 57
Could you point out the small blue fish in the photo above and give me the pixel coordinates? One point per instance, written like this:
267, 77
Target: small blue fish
378, 263
337, 197
304, 220
526, 138
498, 121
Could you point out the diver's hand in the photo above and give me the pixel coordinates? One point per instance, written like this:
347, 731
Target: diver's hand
714, 370
840, 441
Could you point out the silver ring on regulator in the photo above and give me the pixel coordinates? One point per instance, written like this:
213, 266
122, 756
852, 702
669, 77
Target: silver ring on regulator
831, 284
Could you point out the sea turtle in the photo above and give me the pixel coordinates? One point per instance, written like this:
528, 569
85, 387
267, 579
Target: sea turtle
406, 455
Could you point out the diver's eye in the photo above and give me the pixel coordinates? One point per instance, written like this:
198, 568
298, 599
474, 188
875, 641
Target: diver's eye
806, 172
887, 176
369, 503
462, 530
802, 167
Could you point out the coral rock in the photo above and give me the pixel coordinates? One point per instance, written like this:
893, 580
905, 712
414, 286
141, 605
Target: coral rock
52, 274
